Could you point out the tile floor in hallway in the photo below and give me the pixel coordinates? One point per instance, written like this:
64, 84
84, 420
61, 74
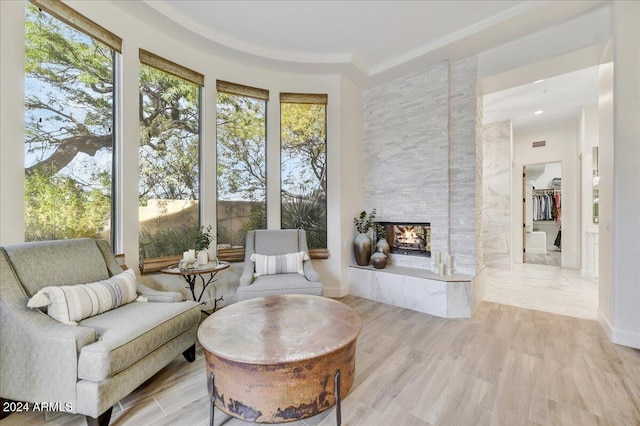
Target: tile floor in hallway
543, 288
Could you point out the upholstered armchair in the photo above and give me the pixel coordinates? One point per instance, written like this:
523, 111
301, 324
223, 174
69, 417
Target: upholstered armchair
88, 365
272, 246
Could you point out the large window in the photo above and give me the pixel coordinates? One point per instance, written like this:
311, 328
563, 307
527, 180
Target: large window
303, 125
169, 187
69, 124
241, 153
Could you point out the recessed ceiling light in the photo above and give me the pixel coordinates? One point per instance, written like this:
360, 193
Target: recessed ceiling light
538, 81
538, 112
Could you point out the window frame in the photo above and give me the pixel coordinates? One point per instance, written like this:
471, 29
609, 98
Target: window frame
236, 254
69, 16
309, 99
147, 58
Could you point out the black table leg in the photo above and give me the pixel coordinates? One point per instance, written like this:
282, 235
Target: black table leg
336, 387
212, 397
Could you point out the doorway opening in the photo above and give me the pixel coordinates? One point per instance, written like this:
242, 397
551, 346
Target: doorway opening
542, 207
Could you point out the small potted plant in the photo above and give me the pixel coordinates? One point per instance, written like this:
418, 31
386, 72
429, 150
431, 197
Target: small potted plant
362, 242
203, 241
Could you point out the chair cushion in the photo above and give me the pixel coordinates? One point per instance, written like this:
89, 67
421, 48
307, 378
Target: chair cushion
290, 263
71, 303
273, 285
281, 241
129, 333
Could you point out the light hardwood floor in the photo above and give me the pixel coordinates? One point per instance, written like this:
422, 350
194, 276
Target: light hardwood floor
505, 366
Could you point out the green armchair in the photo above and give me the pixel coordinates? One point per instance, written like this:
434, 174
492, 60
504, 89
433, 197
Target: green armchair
87, 368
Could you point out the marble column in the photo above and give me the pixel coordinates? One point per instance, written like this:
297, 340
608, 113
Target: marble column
496, 190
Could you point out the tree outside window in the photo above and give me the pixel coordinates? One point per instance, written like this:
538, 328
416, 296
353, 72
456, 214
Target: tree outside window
304, 169
241, 168
169, 188
69, 127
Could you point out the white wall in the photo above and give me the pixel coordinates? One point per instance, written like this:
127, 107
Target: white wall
11, 118
605, 154
172, 44
588, 138
625, 222
562, 146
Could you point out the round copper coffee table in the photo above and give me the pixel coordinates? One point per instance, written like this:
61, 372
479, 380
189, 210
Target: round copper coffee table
280, 358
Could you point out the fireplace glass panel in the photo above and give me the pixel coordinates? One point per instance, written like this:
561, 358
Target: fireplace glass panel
408, 238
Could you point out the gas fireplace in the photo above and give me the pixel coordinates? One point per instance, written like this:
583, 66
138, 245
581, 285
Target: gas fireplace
408, 238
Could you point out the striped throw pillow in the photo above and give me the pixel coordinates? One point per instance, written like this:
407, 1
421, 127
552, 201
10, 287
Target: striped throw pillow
290, 263
71, 303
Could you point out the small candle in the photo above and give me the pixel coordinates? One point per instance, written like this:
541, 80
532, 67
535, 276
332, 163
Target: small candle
441, 269
185, 256
449, 261
192, 255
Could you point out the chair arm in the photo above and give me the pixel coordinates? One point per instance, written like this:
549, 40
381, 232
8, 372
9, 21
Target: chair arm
157, 295
38, 355
247, 273
309, 272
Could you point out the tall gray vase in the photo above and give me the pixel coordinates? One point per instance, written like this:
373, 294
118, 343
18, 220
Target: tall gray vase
362, 249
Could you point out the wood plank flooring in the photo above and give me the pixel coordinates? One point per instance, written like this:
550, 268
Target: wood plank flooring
505, 366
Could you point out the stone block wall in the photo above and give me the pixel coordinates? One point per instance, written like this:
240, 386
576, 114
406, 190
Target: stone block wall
420, 155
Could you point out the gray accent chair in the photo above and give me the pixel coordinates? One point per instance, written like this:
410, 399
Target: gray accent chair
89, 367
275, 242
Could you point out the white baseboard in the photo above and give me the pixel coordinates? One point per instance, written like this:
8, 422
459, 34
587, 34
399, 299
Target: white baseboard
604, 322
335, 291
617, 336
626, 338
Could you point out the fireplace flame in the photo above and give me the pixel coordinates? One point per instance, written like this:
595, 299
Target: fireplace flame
409, 237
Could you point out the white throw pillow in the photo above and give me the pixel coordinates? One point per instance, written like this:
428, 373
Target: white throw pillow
71, 303
290, 263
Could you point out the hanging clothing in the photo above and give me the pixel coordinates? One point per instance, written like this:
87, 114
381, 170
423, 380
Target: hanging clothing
546, 205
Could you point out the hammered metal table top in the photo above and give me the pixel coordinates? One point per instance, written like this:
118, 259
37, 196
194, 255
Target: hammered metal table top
279, 329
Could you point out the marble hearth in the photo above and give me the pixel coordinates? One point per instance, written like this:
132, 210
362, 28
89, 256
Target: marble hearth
454, 296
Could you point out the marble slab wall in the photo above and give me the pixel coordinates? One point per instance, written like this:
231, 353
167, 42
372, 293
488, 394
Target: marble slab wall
453, 299
496, 194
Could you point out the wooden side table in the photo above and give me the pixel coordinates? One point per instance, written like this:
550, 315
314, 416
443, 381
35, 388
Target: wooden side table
191, 276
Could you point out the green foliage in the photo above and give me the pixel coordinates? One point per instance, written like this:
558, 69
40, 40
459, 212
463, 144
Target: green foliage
57, 207
169, 137
168, 241
257, 219
204, 238
68, 125
304, 183
364, 223
304, 145
307, 211
241, 148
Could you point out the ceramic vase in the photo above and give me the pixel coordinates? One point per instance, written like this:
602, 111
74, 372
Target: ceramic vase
362, 249
379, 260
383, 246
203, 257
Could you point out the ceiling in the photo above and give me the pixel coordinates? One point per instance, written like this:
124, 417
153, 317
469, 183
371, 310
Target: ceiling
372, 42
368, 41
561, 98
